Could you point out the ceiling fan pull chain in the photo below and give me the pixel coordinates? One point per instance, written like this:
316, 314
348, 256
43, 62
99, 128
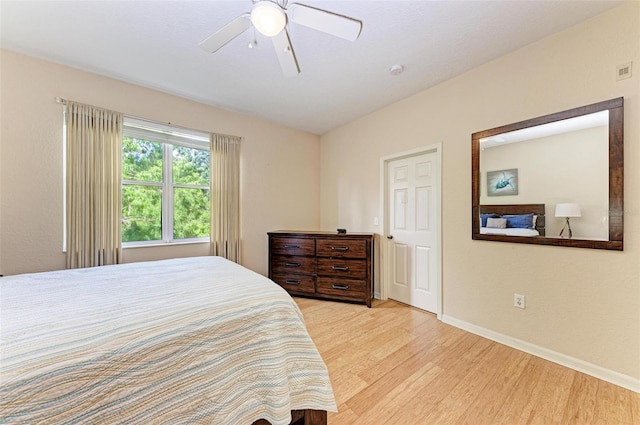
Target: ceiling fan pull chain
253, 41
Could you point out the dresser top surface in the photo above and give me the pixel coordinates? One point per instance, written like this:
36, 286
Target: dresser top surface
317, 233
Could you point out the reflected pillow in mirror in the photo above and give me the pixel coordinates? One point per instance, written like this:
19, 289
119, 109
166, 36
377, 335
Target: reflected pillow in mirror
484, 217
522, 221
496, 223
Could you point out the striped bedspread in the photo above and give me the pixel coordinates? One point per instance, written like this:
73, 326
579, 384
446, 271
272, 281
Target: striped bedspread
196, 340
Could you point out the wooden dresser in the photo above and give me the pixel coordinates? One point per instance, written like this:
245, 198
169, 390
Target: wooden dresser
336, 266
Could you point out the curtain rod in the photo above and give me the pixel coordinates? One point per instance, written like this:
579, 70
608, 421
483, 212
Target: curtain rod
63, 101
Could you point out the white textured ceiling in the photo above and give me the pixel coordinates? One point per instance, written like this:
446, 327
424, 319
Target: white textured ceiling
155, 44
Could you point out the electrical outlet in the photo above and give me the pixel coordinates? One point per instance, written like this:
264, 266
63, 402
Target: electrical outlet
376, 222
518, 301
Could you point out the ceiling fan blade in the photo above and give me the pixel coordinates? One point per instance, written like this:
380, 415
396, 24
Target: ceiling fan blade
226, 33
285, 53
322, 20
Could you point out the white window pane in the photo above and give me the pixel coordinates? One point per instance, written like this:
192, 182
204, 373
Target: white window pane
141, 213
190, 213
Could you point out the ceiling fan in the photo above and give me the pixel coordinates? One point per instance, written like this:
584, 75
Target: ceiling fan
271, 17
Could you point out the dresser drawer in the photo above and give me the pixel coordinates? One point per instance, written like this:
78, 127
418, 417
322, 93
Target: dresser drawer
345, 288
343, 267
282, 264
341, 248
296, 283
293, 246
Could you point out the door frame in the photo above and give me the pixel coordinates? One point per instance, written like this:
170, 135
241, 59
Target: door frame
385, 269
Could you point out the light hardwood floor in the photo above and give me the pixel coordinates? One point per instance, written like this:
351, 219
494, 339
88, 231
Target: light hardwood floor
393, 364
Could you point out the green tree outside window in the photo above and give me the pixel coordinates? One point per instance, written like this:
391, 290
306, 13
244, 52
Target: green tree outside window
158, 177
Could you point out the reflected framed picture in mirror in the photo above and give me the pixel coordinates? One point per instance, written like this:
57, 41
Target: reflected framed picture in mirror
502, 182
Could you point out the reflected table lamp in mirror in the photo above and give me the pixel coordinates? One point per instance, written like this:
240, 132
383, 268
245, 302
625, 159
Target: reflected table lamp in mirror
567, 210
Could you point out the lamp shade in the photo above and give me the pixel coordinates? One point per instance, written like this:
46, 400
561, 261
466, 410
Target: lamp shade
568, 210
268, 18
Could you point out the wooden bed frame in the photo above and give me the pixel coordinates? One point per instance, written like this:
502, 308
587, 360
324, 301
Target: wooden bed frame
537, 209
302, 417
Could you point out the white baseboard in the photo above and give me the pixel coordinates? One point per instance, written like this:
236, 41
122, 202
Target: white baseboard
596, 371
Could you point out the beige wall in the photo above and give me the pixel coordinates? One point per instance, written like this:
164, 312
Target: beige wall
581, 303
31, 163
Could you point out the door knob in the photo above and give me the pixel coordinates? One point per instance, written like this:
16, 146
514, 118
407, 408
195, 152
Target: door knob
389, 236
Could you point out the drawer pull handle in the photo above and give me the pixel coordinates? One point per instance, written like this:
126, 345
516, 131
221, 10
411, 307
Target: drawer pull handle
291, 246
340, 248
292, 264
343, 287
292, 282
342, 269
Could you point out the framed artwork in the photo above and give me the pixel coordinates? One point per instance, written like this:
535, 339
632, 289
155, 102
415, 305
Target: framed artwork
502, 182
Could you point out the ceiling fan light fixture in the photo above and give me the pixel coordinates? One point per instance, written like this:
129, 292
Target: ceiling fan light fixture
268, 18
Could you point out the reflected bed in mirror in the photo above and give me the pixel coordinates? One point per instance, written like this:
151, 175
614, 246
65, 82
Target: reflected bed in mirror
552, 180
513, 220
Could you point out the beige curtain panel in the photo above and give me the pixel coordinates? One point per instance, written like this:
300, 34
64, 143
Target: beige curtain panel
94, 177
225, 196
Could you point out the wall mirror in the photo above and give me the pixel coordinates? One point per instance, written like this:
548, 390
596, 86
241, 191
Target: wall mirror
552, 180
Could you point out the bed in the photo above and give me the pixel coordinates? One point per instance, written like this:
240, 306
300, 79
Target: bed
518, 220
196, 340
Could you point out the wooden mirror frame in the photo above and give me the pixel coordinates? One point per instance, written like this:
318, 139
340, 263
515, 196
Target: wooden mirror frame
616, 177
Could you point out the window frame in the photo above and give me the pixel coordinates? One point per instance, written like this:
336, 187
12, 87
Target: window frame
168, 136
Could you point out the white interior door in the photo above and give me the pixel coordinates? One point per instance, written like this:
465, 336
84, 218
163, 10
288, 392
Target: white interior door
413, 238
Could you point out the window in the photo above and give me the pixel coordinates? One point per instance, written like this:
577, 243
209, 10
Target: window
165, 183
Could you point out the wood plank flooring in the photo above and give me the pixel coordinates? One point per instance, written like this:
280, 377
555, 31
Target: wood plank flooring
393, 364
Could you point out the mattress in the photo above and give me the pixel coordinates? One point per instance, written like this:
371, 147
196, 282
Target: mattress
509, 231
196, 340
